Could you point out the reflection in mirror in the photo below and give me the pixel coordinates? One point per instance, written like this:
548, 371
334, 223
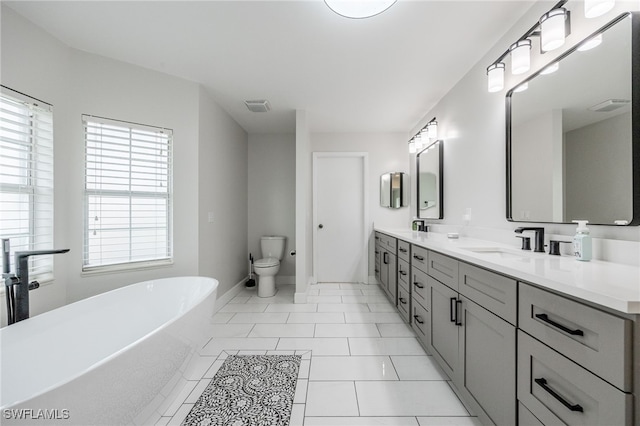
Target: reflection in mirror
572, 136
429, 170
394, 187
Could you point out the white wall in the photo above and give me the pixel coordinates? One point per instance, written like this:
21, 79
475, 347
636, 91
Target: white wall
222, 190
387, 153
272, 195
472, 124
78, 83
304, 243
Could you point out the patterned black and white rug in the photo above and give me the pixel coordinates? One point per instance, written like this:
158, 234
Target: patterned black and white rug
248, 390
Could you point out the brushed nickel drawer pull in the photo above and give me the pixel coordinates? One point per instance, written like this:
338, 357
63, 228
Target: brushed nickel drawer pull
418, 320
417, 257
545, 318
542, 382
403, 300
417, 284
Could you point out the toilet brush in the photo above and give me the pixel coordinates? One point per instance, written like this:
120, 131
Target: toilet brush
250, 282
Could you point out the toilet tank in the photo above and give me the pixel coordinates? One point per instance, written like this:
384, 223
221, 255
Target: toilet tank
272, 246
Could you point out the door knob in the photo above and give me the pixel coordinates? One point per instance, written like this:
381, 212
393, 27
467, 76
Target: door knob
321, 226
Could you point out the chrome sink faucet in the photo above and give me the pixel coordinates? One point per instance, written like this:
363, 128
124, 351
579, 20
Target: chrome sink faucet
539, 237
17, 285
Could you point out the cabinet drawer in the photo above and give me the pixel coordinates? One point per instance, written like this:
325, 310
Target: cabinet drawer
558, 391
389, 242
420, 321
525, 418
494, 292
418, 283
404, 303
598, 341
403, 273
404, 250
419, 257
444, 269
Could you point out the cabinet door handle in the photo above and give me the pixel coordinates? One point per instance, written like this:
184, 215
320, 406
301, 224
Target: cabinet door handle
418, 319
377, 270
403, 273
417, 284
542, 382
458, 303
420, 258
384, 258
403, 300
545, 318
452, 308
404, 250
377, 252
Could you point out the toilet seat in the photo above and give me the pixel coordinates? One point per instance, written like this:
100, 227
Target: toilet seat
266, 262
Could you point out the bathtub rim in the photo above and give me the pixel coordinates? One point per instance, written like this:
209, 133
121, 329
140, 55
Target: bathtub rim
212, 291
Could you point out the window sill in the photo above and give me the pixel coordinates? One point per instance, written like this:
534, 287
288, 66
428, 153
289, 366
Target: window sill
126, 267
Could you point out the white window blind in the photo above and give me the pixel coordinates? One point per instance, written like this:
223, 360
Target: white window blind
128, 196
26, 178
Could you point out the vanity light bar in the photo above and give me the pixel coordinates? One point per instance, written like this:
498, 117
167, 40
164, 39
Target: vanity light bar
428, 131
552, 28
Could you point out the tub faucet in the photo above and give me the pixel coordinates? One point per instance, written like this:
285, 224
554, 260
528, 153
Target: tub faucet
539, 237
17, 285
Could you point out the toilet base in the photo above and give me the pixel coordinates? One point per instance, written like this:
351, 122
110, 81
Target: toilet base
266, 286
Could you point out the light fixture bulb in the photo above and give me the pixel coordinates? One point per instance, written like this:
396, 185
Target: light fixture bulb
553, 29
495, 77
424, 134
358, 9
432, 128
595, 8
418, 141
551, 68
521, 88
520, 56
412, 147
591, 43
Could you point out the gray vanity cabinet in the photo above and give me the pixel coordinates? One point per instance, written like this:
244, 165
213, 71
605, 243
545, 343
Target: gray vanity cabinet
387, 275
486, 374
475, 346
443, 336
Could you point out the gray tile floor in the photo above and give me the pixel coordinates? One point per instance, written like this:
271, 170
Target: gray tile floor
361, 364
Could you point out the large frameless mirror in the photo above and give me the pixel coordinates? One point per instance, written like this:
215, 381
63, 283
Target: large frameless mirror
394, 187
573, 137
429, 182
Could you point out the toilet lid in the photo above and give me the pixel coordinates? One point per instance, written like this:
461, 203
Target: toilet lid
266, 262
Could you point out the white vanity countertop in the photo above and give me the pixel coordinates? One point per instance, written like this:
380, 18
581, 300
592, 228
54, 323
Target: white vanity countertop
616, 286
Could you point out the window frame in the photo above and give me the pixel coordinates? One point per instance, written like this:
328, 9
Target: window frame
167, 197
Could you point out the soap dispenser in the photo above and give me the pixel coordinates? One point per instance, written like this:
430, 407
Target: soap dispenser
582, 241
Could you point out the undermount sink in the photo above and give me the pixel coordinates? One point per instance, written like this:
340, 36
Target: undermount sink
499, 251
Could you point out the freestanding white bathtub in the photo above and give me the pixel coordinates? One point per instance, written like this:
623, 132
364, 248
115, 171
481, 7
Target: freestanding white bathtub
110, 359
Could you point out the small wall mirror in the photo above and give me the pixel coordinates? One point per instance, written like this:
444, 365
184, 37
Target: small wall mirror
573, 137
394, 190
429, 182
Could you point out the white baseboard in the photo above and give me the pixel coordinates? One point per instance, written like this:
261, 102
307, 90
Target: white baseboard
300, 297
230, 294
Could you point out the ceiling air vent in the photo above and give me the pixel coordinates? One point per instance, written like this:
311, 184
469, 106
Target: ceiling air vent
610, 105
258, 106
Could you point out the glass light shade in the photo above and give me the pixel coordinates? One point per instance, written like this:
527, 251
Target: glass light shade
520, 56
412, 147
418, 141
424, 134
432, 128
591, 43
359, 9
551, 68
495, 77
553, 29
521, 88
595, 8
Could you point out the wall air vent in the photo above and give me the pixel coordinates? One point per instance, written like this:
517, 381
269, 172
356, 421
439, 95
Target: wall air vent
610, 105
258, 105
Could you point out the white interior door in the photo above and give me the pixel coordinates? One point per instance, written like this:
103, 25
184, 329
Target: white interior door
339, 217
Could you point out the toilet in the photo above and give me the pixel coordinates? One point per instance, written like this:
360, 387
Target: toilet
272, 247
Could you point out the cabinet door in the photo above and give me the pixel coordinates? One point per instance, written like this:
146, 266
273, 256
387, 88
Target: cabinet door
443, 338
487, 366
392, 279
